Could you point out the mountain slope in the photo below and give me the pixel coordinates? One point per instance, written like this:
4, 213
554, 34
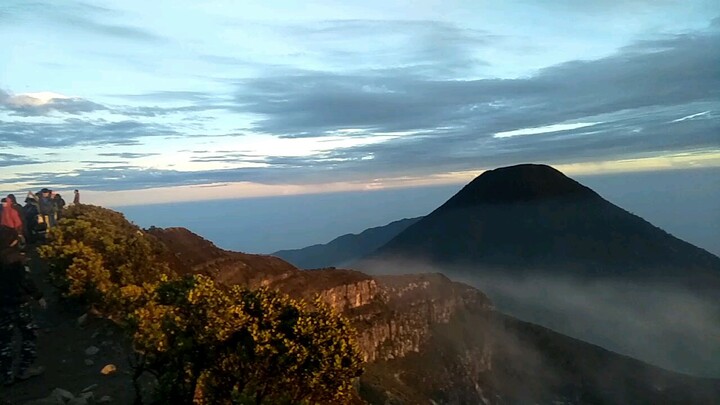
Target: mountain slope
427, 338
532, 218
345, 249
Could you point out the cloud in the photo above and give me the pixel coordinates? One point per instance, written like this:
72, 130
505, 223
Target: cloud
77, 15
38, 104
429, 48
195, 96
75, 131
426, 113
636, 77
630, 96
127, 155
9, 159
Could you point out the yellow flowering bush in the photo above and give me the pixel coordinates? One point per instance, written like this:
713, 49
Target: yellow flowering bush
205, 343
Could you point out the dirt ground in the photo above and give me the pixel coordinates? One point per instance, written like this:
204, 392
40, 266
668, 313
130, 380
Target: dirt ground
62, 343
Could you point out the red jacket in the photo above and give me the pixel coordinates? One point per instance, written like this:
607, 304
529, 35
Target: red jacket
9, 216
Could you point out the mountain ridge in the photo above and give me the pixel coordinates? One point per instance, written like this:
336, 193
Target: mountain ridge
534, 217
405, 322
345, 249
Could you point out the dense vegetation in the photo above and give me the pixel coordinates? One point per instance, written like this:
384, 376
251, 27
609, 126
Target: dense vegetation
205, 343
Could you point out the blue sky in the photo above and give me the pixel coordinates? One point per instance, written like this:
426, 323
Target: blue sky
139, 101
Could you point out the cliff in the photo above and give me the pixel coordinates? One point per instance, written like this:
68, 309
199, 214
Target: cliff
427, 339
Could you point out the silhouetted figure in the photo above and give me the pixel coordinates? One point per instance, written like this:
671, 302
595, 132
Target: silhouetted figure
46, 207
76, 199
32, 218
59, 205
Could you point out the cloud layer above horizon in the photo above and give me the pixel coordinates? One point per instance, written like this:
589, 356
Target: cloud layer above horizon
132, 95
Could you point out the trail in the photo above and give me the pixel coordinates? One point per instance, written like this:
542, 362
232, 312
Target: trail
61, 349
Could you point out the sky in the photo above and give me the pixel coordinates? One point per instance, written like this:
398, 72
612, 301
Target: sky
169, 100
682, 202
139, 102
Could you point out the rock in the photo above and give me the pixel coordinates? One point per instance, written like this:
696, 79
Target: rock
82, 320
91, 351
62, 395
89, 362
88, 396
95, 334
105, 399
106, 343
58, 396
109, 369
78, 401
89, 388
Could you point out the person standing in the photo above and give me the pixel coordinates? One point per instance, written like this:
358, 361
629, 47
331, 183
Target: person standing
46, 206
16, 292
21, 211
11, 217
76, 199
59, 206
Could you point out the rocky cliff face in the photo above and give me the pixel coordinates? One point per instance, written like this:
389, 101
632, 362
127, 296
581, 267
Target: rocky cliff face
400, 318
392, 314
427, 339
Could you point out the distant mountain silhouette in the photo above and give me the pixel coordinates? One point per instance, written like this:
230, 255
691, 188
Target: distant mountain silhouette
532, 218
345, 249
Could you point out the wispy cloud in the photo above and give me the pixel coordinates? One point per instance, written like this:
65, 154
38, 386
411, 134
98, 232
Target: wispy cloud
543, 130
9, 159
127, 155
72, 132
76, 15
691, 116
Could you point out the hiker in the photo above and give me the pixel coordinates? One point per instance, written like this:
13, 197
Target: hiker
76, 199
32, 215
46, 207
10, 217
59, 205
21, 212
16, 292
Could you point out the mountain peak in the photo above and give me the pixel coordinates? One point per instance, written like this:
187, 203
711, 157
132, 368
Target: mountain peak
520, 183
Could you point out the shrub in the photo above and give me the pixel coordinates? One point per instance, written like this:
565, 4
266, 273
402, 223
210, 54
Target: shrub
205, 343
96, 255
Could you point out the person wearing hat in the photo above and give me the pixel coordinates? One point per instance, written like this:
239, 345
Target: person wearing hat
17, 290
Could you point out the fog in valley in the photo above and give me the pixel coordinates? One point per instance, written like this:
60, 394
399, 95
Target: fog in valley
656, 323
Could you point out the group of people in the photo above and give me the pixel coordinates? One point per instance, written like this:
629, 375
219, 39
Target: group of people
41, 211
19, 224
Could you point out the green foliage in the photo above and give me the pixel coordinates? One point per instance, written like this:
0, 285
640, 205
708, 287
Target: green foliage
229, 346
205, 343
98, 256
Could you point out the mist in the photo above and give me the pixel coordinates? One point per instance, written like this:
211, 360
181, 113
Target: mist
665, 326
